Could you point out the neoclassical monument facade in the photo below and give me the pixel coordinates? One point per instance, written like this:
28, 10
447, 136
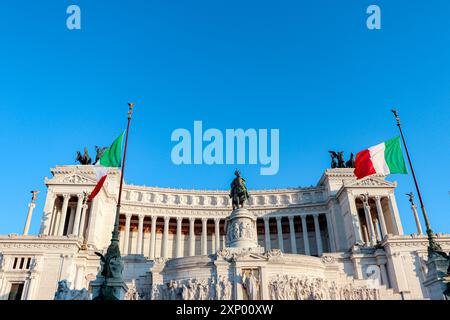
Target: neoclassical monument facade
342, 239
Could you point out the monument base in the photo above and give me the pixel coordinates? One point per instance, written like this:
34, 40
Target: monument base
241, 229
436, 282
110, 289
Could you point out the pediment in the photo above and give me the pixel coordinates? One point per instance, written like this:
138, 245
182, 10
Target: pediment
371, 182
73, 178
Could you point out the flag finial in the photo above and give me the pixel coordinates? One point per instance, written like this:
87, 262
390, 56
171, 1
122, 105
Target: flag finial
395, 112
130, 110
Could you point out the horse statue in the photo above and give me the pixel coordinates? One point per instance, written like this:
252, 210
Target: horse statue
238, 193
333, 159
351, 162
100, 153
84, 159
337, 159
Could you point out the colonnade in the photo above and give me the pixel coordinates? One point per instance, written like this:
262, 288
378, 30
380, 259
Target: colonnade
150, 236
70, 218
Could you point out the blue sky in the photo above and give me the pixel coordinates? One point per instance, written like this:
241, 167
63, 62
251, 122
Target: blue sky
309, 68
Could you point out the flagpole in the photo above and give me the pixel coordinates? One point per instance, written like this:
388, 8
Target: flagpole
432, 244
115, 234
112, 287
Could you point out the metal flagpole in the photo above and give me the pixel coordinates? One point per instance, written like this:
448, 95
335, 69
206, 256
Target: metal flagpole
432, 244
112, 287
115, 235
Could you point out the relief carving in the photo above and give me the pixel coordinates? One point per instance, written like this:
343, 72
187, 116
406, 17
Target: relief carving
285, 287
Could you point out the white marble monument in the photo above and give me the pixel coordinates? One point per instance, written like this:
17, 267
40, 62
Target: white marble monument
321, 242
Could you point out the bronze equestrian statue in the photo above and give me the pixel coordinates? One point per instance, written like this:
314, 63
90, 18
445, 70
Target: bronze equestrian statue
100, 152
337, 160
84, 159
239, 193
351, 162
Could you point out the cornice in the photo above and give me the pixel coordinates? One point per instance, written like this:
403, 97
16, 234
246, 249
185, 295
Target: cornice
14, 241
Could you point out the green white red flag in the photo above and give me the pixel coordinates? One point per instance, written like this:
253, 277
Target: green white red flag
111, 158
384, 158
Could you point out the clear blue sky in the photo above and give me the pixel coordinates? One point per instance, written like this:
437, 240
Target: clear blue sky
309, 68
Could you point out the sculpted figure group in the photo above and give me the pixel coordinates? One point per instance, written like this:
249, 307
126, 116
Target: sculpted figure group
241, 230
65, 293
284, 287
193, 289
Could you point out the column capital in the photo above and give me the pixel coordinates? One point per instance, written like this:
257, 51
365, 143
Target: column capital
315, 215
154, 218
278, 218
217, 220
291, 218
191, 219
180, 219
166, 219
266, 218
80, 196
377, 197
128, 215
204, 220
66, 196
52, 195
141, 217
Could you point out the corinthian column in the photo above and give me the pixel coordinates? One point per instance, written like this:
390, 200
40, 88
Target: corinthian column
267, 233
140, 234
292, 232
165, 238
62, 220
204, 236
191, 237
381, 217
31, 207
127, 233
416, 218
369, 221
76, 223
153, 238
179, 243
280, 234
318, 235
217, 233
83, 220
305, 235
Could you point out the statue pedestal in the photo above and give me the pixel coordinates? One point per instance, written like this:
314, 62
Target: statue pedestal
111, 289
241, 229
435, 282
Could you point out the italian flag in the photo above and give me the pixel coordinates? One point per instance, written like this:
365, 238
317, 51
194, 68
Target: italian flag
384, 158
111, 158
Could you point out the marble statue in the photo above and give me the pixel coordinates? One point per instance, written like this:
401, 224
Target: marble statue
132, 293
65, 293
251, 285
